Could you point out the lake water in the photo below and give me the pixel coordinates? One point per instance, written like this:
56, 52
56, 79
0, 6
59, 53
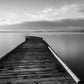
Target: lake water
69, 46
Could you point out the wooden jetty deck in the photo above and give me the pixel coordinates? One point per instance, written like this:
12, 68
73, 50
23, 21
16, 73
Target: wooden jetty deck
32, 63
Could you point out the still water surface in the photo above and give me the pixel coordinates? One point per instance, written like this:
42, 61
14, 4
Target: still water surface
69, 46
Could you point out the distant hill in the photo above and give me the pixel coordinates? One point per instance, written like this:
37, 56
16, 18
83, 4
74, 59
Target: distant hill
59, 25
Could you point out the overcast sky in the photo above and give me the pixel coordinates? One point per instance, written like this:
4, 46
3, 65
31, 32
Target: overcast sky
17, 11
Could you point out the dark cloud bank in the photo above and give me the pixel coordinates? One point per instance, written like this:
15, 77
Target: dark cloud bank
76, 25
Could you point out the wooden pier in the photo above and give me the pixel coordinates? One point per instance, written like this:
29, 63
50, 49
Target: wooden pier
32, 63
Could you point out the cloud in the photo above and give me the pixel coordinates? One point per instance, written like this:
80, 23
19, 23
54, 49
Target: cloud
11, 18
81, 8
67, 11
63, 12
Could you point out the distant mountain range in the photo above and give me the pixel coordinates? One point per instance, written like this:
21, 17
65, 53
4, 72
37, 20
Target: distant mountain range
49, 26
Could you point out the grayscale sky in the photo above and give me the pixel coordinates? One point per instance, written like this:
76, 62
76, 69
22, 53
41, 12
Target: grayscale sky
17, 11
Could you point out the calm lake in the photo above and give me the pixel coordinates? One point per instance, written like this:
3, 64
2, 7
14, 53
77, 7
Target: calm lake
69, 46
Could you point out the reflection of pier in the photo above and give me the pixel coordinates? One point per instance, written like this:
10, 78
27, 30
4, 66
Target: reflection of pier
32, 63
